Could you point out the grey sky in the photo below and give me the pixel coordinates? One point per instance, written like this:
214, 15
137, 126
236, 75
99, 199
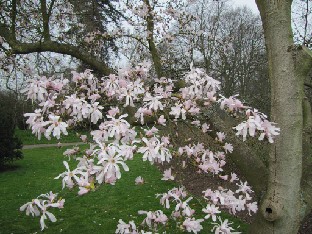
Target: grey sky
249, 3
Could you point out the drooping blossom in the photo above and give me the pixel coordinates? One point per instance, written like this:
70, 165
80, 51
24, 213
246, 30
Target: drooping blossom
41, 205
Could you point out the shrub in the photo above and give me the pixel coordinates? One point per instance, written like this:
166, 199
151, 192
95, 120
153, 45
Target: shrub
10, 146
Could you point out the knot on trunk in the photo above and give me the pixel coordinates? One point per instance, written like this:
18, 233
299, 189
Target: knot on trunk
271, 210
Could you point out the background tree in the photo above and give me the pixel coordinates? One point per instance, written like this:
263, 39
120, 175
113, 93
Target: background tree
10, 146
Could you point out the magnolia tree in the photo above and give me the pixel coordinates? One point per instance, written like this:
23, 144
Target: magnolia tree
64, 103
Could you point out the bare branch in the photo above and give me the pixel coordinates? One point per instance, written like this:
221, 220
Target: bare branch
45, 18
51, 46
13, 17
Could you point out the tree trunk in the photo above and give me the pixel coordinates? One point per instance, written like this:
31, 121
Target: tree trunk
151, 42
280, 209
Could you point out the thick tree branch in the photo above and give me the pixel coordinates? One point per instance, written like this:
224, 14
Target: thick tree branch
52, 46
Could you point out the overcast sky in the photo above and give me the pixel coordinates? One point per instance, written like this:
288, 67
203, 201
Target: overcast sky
249, 3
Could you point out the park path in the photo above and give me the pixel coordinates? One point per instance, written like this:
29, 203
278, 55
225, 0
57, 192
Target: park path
52, 145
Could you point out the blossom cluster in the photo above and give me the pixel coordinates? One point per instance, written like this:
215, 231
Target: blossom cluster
40, 205
183, 213
63, 103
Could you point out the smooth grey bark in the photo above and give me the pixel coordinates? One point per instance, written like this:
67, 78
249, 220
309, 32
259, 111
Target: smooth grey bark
280, 208
306, 182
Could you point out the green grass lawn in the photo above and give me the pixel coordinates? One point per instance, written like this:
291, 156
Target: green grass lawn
30, 139
96, 212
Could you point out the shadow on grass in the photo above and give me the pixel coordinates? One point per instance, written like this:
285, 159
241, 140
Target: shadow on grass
9, 167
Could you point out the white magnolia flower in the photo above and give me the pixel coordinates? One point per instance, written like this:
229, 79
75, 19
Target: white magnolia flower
70, 177
56, 126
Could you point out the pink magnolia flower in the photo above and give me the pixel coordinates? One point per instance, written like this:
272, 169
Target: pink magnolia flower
45, 215
165, 140
225, 177
56, 126
167, 175
161, 217
211, 211
71, 152
243, 187
196, 123
124, 228
70, 177
117, 127
31, 208
205, 127
150, 132
153, 102
233, 177
84, 138
232, 103
154, 218
113, 111
40, 206
110, 163
83, 190
250, 126
220, 136
150, 151
94, 97
37, 89
165, 199
150, 217
141, 112
95, 112
270, 131
139, 180
161, 120
193, 225
177, 110
223, 227
252, 207
228, 148
154, 151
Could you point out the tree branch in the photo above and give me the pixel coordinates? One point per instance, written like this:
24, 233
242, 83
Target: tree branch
45, 19
303, 60
50, 8
51, 46
151, 43
13, 17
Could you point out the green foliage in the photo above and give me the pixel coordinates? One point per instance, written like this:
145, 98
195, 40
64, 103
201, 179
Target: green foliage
10, 146
96, 212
